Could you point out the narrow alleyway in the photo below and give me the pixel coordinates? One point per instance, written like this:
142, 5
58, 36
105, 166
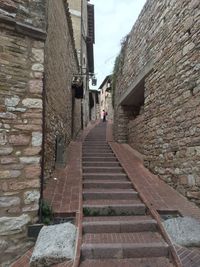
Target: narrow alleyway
117, 227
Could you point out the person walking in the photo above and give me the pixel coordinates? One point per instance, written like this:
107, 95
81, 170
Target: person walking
104, 115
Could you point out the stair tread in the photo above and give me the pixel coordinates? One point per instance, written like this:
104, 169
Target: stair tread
140, 262
107, 174
118, 181
117, 218
135, 238
109, 191
113, 202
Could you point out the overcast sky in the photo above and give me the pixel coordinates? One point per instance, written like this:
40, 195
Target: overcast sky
113, 20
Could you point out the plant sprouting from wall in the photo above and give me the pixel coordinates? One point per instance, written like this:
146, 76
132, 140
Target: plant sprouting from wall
118, 65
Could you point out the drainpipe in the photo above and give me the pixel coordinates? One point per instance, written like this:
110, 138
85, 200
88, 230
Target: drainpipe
43, 128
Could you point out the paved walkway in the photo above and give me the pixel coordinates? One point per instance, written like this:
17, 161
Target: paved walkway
153, 191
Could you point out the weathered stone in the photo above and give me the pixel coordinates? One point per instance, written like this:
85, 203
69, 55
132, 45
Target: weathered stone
24, 185
19, 140
35, 86
9, 201
3, 138
38, 55
36, 139
54, 244
29, 160
32, 151
38, 67
30, 207
32, 103
11, 109
12, 102
13, 225
195, 195
31, 196
8, 160
7, 115
191, 180
3, 245
187, 48
32, 171
9, 174
183, 231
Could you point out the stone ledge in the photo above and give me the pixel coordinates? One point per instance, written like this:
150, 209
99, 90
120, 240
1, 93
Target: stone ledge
23, 28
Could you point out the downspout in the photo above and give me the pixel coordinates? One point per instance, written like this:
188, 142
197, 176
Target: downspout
43, 126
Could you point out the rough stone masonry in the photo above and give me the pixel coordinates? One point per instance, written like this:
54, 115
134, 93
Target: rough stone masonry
157, 96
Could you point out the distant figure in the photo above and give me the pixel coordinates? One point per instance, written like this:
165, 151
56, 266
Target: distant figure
104, 115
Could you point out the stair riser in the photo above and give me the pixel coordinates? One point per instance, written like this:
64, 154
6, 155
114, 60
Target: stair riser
102, 170
101, 159
106, 177
108, 251
118, 227
107, 186
92, 150
101, 164
104, 155
96, 196
115, 210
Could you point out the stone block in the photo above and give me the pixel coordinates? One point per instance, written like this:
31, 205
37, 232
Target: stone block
13, 225
32, 171
31, 196
19, 140
3, 138
30, 160
9, 174
38, 67
12, 101
24, 184
6, 202
31, 151
35, 86
32, 103
55, 244
38, 55
36, 139
183, 231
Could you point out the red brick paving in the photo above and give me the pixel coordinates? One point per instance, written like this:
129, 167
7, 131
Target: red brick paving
63, 193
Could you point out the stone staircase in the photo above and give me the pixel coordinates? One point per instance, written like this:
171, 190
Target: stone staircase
117, 230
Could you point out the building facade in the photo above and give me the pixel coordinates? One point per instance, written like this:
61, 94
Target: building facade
40, 106
106, 98
157, 96
82, 13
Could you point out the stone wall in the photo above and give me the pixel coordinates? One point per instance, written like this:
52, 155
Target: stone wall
167, 131
60, 65
21, 86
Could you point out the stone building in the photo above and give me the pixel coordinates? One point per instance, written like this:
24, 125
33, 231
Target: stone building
40, 106
82, 13
94, 105
157, 93
106, 100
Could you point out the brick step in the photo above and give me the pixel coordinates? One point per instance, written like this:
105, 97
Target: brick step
103, 170
141, 262
119, 226
95, 151
98, 154
120, 177
117, 218
113, 207
95, 143
120, 184
101, 159
101, 164
109, 194
123, 245
93, 146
